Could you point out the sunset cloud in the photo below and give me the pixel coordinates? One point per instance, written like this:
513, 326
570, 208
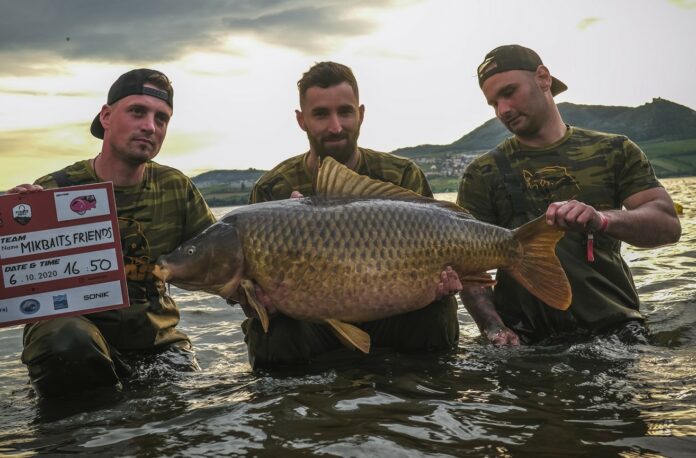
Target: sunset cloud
161, 30
235, 63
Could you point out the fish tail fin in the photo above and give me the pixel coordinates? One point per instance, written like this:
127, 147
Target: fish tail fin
349, 335
540, 271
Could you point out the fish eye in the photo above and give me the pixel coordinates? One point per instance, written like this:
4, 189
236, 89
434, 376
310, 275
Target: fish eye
191, 250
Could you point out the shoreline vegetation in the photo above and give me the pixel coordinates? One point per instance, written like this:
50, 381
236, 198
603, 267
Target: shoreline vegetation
439, 185
665, 131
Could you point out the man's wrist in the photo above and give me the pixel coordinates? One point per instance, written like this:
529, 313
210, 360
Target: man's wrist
604, 224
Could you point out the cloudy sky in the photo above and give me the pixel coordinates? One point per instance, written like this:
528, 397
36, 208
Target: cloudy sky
235, 64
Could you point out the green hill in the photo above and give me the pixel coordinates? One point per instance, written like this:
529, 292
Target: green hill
659, 120
665, 130
227, 187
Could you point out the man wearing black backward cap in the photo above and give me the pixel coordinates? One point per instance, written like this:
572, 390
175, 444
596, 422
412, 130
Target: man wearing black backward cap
599, 187
158, 209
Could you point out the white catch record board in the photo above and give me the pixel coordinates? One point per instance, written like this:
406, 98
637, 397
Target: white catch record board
60, 254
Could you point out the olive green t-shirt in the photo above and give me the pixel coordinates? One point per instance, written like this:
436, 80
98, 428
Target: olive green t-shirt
154, 218
599, 169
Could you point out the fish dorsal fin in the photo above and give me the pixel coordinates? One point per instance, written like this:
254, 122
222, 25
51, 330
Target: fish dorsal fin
336, 180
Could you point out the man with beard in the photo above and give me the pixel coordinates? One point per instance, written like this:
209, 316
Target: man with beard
331, 115
599, 187
158, 209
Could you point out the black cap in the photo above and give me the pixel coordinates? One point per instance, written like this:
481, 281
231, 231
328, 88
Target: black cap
513, 57
132, 83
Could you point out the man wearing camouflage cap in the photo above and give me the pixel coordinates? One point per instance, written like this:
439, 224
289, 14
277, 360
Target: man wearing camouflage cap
158, 209
598, 187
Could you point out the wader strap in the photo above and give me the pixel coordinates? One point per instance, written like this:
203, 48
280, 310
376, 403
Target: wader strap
513, 186
617, 144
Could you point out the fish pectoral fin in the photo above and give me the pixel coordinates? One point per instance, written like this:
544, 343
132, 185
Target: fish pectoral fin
253, 301
351, 336
482, 279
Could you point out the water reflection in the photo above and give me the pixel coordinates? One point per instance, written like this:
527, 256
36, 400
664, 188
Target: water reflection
592, 396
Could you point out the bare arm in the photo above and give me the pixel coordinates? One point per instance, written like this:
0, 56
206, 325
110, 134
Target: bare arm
479, 303
649, 219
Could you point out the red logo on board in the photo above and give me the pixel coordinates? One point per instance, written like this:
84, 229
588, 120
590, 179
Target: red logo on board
81, 204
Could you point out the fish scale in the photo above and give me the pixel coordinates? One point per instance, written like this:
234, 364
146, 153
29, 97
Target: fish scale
359, 250
317, 255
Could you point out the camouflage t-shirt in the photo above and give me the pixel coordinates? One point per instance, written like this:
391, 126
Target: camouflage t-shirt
599, 169
293, 175
154, 218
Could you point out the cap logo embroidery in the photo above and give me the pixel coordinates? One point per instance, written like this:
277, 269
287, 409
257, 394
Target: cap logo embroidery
160, 94
487, 66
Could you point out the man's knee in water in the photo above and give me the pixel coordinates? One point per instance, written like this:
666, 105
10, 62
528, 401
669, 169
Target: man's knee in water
65, 338
67, 355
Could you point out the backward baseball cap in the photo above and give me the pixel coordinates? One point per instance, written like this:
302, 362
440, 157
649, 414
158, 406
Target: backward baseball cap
513, 57
133, 83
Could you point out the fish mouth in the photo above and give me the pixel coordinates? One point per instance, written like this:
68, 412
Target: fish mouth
162, 273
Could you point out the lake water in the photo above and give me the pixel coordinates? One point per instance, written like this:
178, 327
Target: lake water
593, 397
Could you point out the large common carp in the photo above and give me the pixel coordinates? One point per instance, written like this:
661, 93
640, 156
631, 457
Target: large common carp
359, 250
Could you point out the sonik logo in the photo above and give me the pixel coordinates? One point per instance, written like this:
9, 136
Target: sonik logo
95, 296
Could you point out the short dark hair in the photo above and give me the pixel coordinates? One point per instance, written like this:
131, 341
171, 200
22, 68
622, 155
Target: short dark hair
327, 74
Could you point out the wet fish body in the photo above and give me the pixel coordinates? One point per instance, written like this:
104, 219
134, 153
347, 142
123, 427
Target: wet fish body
350, 259
359, 260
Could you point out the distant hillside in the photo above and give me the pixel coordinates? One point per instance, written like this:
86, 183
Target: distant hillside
234, 178
227, 187
665, 130
657, 120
